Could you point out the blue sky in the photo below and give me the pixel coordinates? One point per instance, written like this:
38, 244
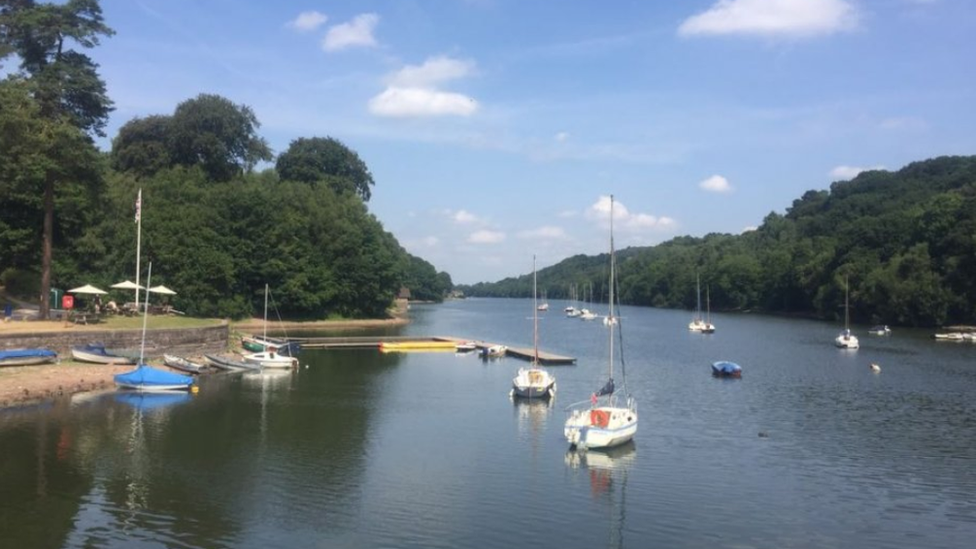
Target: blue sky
495, 129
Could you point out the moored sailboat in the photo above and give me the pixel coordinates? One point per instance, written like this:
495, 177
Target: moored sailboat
846, 340
534, 381
270, 357
605, 422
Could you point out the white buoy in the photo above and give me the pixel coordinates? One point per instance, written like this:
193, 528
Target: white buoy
875, 368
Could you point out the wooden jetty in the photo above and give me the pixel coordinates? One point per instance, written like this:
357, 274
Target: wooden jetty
373, 342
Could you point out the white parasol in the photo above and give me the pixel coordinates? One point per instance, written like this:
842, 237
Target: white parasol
127, 285
162, 290
87, 289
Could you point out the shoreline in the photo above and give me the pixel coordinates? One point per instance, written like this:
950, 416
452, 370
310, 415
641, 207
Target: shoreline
31, 385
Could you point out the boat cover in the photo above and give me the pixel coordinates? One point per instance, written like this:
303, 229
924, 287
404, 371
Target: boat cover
726, 367
27, 353
607, 389
148, 376
150, 401
95, 349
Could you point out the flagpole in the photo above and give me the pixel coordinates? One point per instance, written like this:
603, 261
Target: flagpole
138, 241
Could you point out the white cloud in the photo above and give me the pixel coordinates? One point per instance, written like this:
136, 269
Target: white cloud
409, 102
716, 184
486, 237
464, 217
435, 70
308, 21
623, 218
749, 229
548, 232
358, 32
773, 18
413, 90
562, 136
850, 172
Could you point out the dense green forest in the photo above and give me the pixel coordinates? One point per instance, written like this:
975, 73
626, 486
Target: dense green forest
215, 228
905, 240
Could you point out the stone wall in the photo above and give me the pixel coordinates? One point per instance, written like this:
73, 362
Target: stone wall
178, 341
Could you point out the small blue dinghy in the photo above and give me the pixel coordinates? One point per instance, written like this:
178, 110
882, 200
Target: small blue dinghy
724, 368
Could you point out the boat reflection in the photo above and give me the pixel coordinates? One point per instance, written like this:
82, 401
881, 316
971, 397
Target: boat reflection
145, 402
608, 470
532, 413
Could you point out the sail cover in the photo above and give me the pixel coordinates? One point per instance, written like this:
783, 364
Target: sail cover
607, 389
27, 353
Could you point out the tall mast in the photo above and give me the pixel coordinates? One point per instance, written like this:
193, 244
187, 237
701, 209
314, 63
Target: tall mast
535, 317
610, 319
139, 244
266, 312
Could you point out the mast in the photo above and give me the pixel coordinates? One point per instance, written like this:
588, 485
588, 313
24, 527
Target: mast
708, 305
847, 306
535, 317
265, 312
610, 319
145, 317
698, 289
139, 244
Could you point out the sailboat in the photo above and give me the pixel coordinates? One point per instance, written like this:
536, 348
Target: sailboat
697, 324
708, 327
147, 378
846, 340
604, 423
534, 381
269, 357
544, 306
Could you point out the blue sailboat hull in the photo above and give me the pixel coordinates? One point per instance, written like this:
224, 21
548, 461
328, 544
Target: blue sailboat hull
147, 378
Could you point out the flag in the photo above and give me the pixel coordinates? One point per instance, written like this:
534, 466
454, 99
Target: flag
139, 205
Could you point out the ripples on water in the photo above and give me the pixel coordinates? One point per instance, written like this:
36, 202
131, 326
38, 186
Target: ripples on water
362, 449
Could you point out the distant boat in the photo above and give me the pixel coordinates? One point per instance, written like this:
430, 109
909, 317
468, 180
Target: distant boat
96, 352
610, 424
534, 381
846, 340
697, 323
586, 314
465, 346
259, 344
270, 357
494, 351
708, 328
881, 330
724, 368
224, 363
183, 364
27, 357
147, 378
951, 336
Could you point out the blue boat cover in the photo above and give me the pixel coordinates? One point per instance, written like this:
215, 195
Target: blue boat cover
150, 401
27, 353
726, 367
148, 376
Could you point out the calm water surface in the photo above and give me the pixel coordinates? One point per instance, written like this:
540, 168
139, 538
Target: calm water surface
364, 449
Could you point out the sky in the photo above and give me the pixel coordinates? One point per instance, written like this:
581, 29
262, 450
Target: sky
496, 130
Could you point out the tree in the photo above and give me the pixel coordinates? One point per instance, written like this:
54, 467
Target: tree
317, 160
142, 146
212, 132
64, 83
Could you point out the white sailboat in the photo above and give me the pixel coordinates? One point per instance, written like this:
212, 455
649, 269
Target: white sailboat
708, 328
604, 423
534, 381
697, 324
846, 340
269, 358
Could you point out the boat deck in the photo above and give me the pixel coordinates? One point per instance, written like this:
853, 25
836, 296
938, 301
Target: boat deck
373, 342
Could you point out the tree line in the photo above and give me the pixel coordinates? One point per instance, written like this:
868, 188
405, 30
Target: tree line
905, 241
215, 229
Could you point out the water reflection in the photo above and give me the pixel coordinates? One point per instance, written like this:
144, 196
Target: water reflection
607, 470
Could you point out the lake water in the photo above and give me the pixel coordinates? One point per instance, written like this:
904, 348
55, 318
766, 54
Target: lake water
365, 449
